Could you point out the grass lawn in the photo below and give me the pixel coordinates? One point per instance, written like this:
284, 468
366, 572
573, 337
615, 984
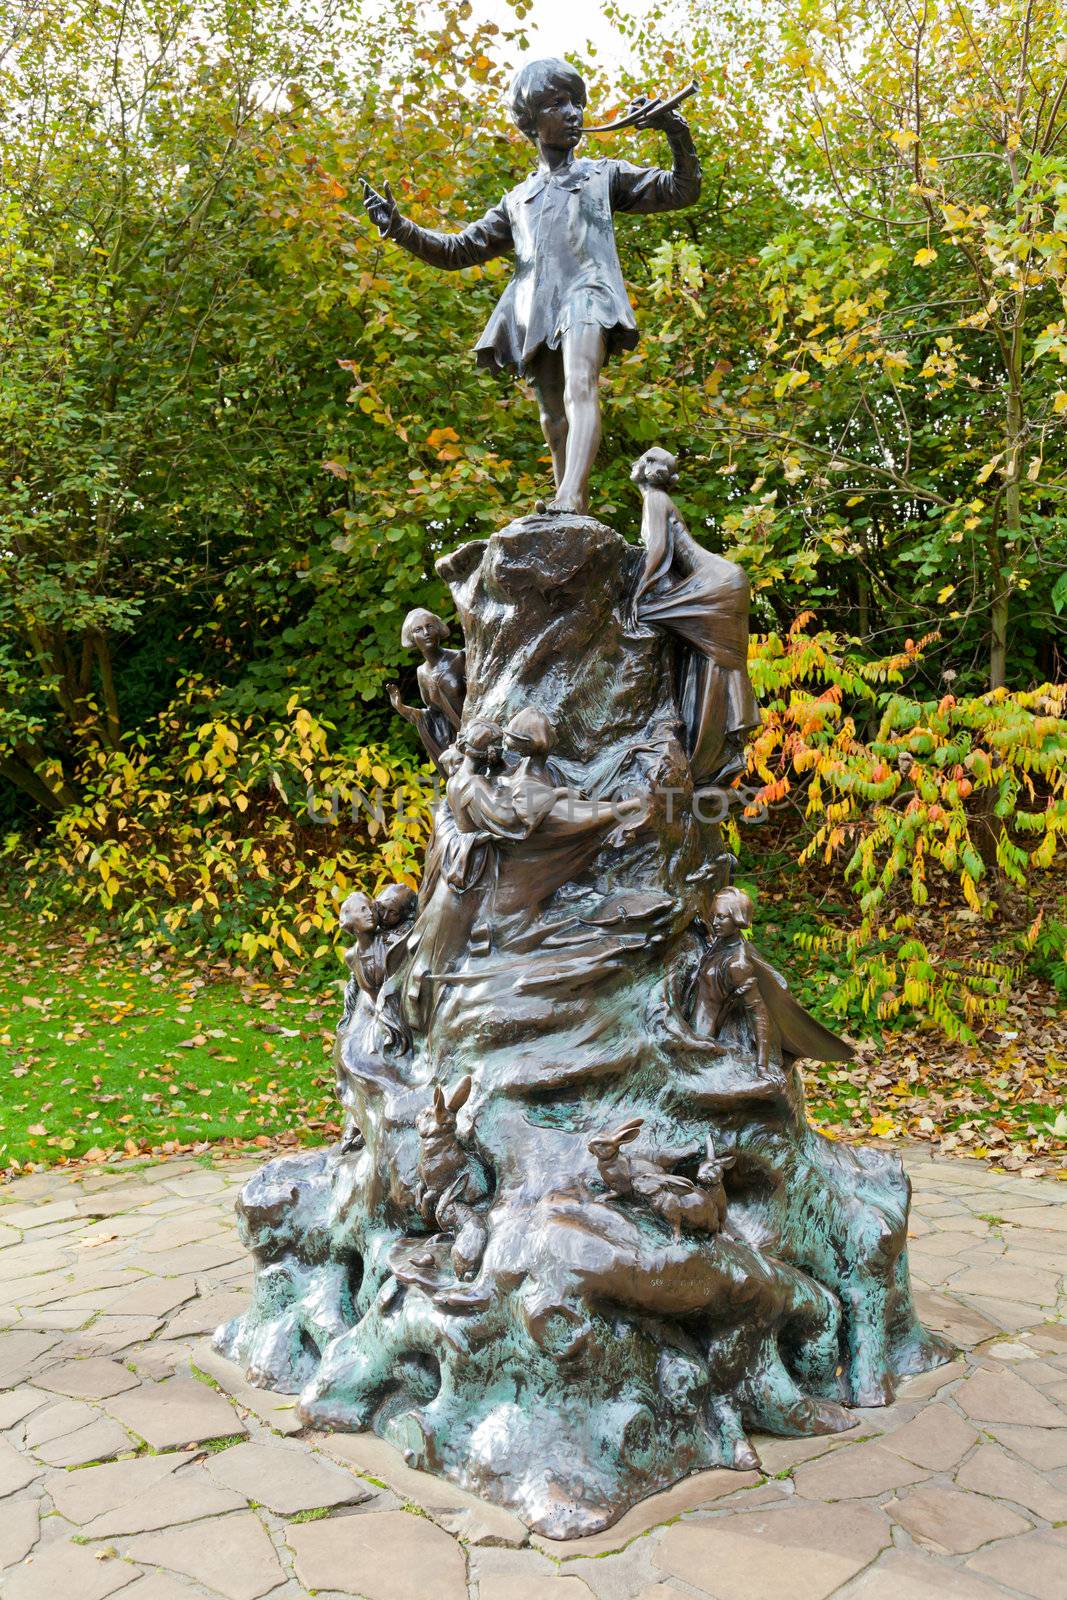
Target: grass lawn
109, 1053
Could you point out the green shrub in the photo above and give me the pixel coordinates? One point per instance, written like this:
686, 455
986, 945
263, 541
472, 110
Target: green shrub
213, 835
960, 797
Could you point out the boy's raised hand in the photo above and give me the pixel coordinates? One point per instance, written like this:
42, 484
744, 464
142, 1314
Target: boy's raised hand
655, 117
382, 209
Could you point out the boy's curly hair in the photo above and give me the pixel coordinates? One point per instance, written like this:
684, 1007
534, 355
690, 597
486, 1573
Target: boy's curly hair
536, 79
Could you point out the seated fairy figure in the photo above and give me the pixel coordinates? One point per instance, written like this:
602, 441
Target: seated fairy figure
703, 600
442, 680
566, 309
526, 803
734, 981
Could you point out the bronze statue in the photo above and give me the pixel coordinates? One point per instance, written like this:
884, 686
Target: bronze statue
734, 980
530, 737
380, 928
699, 1206
566, 309
442, 683
547, 1314
396, 904
358, 918
702, 599
450, 1181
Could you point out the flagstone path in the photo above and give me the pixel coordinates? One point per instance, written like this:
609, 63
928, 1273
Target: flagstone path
135, 1461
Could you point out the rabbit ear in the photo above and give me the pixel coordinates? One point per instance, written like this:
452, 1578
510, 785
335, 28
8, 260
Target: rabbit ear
727, 1161
460, 1094
710, 1145
627, 1130
439, 1101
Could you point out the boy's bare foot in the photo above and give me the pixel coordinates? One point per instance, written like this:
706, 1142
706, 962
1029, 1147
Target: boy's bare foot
567, 506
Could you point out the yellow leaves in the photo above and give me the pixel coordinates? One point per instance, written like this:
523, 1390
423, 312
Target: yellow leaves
160, 848
444, 442
904, 138
1059, 403
945, 593
970, 891
715, 377
850, 312
1045, 854
924, 257
882, 1127
790, 382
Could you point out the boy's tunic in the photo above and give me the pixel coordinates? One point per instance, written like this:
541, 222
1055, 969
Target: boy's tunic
559, 227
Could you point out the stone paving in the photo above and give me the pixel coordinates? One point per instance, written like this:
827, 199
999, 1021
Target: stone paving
135, 1460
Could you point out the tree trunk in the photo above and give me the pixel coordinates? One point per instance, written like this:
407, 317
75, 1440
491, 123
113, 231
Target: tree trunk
1011, 519
52, 799
112, 723
998, 631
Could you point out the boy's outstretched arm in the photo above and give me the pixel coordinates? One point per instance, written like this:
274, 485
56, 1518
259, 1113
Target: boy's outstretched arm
488, 237
651, 188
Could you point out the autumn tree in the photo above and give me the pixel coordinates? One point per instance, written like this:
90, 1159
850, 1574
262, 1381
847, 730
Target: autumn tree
910, 403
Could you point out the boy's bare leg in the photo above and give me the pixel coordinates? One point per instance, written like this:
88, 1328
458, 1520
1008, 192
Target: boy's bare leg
584, 352
546, 374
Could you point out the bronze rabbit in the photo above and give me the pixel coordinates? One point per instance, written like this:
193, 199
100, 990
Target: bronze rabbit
450, 1179
699, 1206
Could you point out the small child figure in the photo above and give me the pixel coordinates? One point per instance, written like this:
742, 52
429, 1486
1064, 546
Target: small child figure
566, 308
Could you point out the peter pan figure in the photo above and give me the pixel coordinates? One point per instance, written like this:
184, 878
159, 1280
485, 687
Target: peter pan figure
566, 309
